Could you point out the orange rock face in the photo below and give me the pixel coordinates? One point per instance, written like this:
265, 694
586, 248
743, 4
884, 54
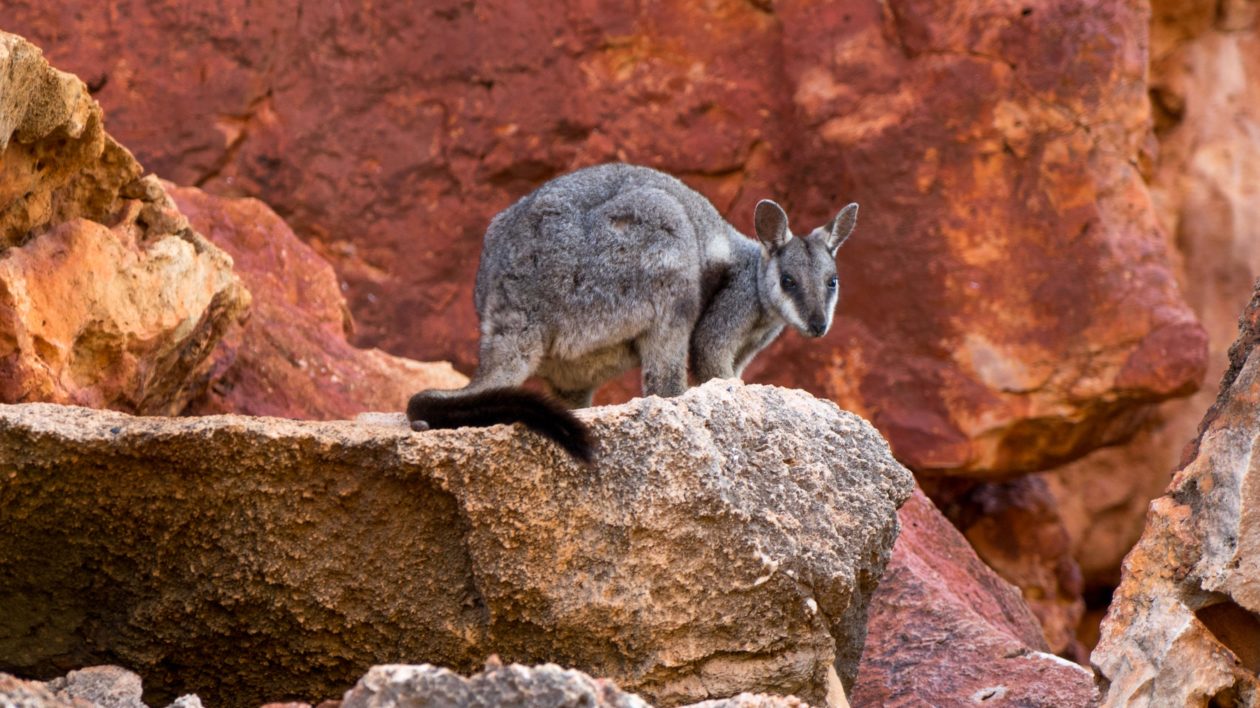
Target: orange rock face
1008, 302
292, 358
107, 297
1205, 82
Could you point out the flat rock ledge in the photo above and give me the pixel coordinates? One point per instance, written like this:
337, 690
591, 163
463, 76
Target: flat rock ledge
726, 541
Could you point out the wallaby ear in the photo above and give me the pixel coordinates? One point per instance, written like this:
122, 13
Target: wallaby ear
771, 223
841, 226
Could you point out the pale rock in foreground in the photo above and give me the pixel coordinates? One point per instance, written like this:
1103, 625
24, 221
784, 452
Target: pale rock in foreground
1184, 625
515, 685
546, 686
726, 541
91, 687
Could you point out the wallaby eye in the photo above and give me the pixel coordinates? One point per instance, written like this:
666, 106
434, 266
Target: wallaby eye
788, 282
832, 282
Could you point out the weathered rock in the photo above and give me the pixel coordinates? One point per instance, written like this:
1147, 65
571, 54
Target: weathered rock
57, 162
1016, 529
1184, 626
103, 686
107, 297
1008, 298
514, 685
546, 686
945, 630
1205, 86
292, 358
16, 693
726, 541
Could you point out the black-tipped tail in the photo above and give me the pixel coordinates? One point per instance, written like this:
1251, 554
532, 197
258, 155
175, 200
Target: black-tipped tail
539, 413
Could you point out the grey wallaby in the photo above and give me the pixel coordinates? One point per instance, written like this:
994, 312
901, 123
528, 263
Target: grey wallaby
618, 266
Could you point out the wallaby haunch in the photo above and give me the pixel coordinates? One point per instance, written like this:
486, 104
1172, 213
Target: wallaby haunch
618, 266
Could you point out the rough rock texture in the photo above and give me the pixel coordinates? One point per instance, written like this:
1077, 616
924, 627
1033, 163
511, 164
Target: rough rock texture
92, 687
58, 164
546, 686
945, 630
1184, 626
762, 700
292, 358
107, 297
16, 693
1016, 529
400, 686
1205, 87
104, 686
250, 559
1008, 298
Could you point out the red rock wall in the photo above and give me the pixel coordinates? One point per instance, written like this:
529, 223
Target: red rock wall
1008, 301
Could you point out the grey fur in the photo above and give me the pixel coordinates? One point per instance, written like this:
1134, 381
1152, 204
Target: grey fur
616, 266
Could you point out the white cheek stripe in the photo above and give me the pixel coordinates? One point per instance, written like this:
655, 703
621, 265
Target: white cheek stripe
832, 298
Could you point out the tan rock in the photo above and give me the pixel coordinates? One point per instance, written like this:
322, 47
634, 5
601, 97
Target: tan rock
107, 297
1184, 626
726, 541
57, 162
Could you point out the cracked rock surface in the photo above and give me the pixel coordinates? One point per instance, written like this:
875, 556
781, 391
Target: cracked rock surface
1184, 625
725, 541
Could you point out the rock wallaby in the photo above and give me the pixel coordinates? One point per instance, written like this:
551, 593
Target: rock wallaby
618, 266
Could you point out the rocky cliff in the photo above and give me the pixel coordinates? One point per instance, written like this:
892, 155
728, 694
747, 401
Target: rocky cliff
1008, 297
1184, 627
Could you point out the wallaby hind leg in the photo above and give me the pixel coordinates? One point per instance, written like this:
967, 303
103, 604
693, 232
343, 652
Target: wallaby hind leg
663, 353
506, 359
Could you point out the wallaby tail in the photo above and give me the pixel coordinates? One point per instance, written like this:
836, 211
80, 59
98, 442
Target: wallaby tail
539, 413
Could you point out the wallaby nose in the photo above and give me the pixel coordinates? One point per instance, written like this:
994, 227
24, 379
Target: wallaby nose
817, 328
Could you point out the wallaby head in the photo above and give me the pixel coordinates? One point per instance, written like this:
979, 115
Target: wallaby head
798, 277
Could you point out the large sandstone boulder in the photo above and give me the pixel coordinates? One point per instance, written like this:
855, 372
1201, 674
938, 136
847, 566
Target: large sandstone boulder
107, 297
1184, 626
1008, 301
292, 358
727, 540
945, 630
